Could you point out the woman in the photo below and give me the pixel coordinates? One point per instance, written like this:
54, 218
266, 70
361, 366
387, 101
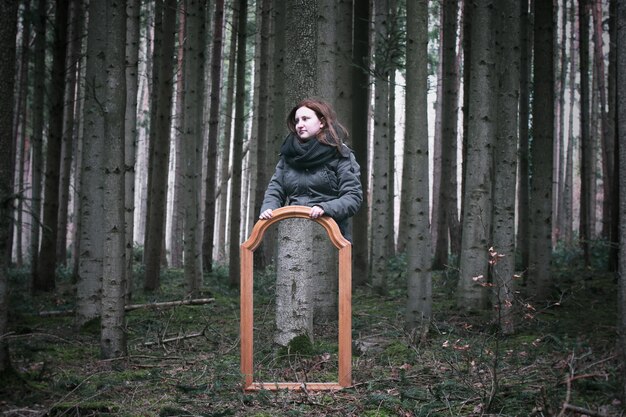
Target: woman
316, 168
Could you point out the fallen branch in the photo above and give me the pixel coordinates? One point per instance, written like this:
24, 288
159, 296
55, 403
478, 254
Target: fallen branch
131, 307
175, 339
582, 410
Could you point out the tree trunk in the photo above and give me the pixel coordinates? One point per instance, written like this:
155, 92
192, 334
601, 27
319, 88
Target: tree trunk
479, 162
113, 336
214, 113
222, 240
90, 267
381, 169
505, 162
192, 129
614, 235
621, 140
561, 156
39, 82
448, 212
567, 222
75, 32
606, 141
523, 183
586, 156
133, 9
416, 169
8, 31
360, 137
160, 137
46, 268
20, 226
238, 139
176, 207
540, 250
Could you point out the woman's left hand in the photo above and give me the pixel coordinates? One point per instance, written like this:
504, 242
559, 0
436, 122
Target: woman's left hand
316, 211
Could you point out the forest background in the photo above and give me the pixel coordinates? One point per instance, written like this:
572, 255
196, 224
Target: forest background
138, 138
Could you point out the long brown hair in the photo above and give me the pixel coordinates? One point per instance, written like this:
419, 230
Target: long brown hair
329, 134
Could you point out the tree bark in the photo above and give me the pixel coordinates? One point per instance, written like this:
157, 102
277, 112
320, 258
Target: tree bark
113, 335
157, 194
46, 268
214, 113
542, 149
8, 31
192, 130
360, 136
505, 162
478, 173
416, 169
620, 95
586, 156
381, 169
238, 139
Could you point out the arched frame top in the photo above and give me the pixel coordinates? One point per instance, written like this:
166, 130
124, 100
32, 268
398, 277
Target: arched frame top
345, 302
287, 212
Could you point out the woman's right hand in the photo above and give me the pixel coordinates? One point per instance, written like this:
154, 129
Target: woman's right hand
266, 215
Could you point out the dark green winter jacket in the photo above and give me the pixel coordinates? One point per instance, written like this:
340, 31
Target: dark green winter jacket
314, 174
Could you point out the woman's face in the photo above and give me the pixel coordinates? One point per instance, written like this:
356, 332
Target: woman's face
307, 123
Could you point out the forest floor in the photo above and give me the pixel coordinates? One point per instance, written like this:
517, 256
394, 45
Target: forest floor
562, 360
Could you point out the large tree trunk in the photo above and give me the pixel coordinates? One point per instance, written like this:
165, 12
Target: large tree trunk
478, 174
381, 169
113, 335
8, 30
89, 280
192, 128
301, 80
157, 194
360, 138
542, 148
505, 161
416, 169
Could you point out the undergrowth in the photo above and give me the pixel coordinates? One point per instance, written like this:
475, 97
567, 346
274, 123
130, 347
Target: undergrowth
463, 367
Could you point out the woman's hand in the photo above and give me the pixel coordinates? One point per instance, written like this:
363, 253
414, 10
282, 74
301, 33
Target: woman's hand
316, 211
266, 215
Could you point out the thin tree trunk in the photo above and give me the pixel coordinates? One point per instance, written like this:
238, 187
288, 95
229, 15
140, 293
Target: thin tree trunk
561, 159
359, 130
46, 268
214, 113
381, 169
567, 223
523, 183
133, 9
39, 82
238, 139
158, 191
585, 229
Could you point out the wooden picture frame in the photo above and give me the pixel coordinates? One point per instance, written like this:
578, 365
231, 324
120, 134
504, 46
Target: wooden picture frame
345, 303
